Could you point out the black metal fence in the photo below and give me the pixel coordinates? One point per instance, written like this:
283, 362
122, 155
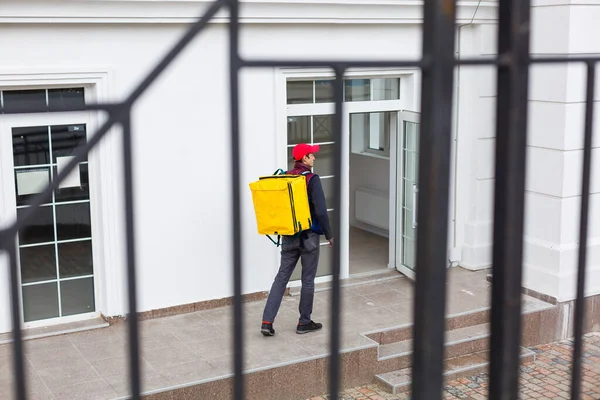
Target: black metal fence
437, 64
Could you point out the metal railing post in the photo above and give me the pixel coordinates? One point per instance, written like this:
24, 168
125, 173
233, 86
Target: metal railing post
433, 199
509, 198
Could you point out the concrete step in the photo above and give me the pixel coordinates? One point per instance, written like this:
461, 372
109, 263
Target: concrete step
459, 342
399, 381
453, 322
454, 339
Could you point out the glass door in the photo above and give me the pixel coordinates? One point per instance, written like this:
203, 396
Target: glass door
55, 248
407, 192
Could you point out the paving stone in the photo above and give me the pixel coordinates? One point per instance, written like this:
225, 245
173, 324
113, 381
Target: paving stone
549, 377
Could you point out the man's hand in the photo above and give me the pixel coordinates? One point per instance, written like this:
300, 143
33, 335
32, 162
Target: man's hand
331, 242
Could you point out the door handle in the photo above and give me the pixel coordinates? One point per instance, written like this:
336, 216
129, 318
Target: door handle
414, 219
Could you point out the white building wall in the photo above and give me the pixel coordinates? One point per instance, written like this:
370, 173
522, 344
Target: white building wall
555, 151
181, 130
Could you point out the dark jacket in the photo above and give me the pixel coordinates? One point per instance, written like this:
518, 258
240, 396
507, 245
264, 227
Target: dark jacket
316, 200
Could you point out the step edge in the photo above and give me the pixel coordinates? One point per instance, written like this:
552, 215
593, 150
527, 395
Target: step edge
406, 353
528, 353
546, 307
449, 316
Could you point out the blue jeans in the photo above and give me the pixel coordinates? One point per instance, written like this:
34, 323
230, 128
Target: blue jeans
305, 248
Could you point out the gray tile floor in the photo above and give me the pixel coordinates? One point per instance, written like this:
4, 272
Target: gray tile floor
368, 252
196, 347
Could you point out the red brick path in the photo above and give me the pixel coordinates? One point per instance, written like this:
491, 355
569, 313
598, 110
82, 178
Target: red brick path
548, 377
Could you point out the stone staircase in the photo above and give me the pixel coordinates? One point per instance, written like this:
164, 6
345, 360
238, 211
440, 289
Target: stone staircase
466, 349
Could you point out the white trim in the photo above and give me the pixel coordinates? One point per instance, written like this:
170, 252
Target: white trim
104, 172
407, 101
71, 278
25, 246
62, 320
251, 11
404, 116
60, 203
17, 167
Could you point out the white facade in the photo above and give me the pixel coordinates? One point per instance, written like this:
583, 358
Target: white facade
181, 130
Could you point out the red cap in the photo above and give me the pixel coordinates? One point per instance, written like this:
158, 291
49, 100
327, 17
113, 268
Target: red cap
303, 149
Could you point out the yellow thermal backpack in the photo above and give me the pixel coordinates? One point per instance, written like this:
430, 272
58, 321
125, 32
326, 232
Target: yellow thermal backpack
281, 205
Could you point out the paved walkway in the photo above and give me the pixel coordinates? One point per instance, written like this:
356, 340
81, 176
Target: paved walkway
548, 377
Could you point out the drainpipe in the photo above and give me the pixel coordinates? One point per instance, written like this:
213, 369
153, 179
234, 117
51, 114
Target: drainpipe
456, 119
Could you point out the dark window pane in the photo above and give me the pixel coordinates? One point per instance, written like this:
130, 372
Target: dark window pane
40, 301
66, 139
298, 130
25, 100
386, 89
358, 89
331, 224
38, 263
77, 296
75, 259
81, 192
325, 260
71, 97
324, 160
31, 146
327, 184
291, 161
324, 91
29, 182
40, 229
323, 128
73, 221
299, 92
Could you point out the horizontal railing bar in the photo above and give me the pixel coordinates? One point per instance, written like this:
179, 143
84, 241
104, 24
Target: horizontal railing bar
418, 63
565, 59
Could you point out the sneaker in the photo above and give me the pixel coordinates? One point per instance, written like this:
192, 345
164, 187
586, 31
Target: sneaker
312, 327
267, 329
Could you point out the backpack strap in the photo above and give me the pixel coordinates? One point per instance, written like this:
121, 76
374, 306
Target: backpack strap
276, 243
308, 175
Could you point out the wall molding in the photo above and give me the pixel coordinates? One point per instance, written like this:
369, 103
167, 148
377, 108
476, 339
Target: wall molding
251, 12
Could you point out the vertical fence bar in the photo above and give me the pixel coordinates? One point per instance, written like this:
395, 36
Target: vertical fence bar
9, 244
134, 346
509, 197
583, 232
234, 69
434, 175
334, 360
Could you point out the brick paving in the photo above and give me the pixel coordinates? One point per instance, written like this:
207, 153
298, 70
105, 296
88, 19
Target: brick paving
546, 378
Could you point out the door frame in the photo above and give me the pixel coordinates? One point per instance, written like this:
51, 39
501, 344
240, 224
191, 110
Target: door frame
8, 196
414, 117
409, 97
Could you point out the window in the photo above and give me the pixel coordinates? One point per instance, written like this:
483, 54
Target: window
374, 131
38, 100
316, 127
55, 249
321, 91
